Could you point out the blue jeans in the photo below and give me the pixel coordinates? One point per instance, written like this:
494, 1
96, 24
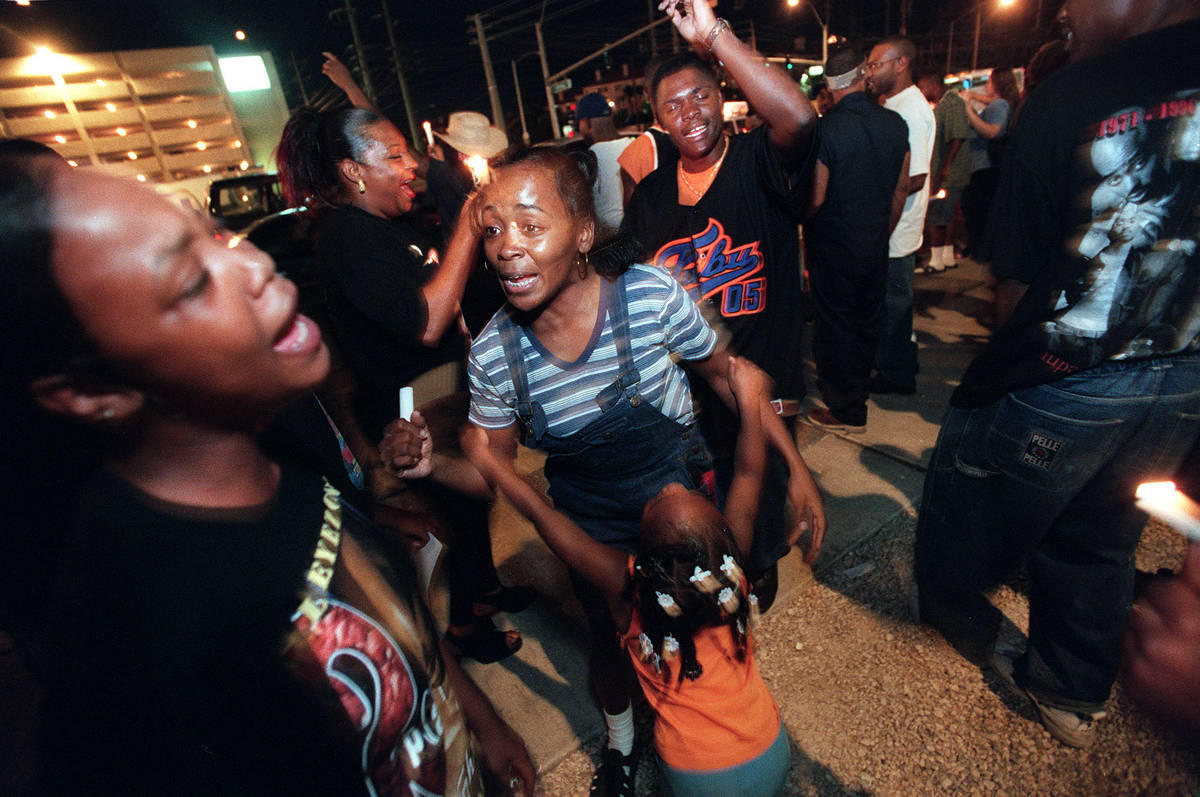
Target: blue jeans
897, 355
1047, 475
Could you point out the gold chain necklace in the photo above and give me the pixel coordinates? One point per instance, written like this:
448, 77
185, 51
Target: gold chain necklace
712, 171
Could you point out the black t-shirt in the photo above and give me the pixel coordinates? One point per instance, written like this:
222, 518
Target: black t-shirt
737, 250
259, 651
374, 269
1097, 211
863, 146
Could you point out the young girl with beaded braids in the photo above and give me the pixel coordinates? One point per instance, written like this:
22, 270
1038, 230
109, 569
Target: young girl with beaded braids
685, 611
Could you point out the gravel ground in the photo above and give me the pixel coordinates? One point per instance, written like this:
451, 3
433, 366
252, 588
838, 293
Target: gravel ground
874, 704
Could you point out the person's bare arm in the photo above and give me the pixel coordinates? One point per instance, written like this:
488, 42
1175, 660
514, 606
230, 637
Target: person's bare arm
1162, 648
339, 74
779, 100
820, 185
900, 195
602, 565
944, 172
802, 490
502, 750
750, 384
443, 293
979, 125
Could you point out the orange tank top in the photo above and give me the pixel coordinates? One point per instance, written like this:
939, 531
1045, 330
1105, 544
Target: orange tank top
723, 718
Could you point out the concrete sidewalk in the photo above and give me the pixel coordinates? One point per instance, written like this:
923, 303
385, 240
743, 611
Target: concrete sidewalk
867, 480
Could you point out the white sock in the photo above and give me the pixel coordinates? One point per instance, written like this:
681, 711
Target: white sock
620, 730
948, 255
935, 257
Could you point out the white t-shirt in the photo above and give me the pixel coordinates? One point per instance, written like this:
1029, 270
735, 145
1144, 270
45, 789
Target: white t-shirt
607, 190
912, 105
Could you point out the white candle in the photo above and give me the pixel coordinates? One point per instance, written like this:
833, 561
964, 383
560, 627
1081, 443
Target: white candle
428, 132
1172, 507
406, 403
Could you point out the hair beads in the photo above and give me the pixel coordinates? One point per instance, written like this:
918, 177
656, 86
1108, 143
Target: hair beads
704, 581
728, 600
668, 604
731, 570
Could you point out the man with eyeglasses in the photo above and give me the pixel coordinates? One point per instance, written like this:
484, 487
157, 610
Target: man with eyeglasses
890, 78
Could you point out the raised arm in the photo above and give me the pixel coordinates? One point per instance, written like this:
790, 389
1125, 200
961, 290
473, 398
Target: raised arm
443, 293
602, 565
339, 74
980, 125
778, 99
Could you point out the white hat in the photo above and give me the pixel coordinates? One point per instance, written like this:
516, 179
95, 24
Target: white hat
471, 134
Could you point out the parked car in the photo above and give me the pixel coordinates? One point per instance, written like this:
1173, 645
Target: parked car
239, 201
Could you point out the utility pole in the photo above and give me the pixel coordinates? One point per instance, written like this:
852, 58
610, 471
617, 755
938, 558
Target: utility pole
537, 27
408, 110
299, 77
493, 92
367, 86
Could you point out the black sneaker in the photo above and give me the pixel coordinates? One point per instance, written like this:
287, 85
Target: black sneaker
615, 775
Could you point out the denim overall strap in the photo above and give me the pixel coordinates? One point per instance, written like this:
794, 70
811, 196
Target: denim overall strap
529, 413
628, 377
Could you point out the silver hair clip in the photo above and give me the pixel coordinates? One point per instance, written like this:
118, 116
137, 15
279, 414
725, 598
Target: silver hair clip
668, 605
670, 648
704, 581
754, 613
728, 600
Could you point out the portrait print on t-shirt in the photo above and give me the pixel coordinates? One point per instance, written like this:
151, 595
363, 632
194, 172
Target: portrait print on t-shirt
1138, 294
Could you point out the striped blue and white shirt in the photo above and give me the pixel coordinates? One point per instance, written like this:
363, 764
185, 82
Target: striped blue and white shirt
664, 325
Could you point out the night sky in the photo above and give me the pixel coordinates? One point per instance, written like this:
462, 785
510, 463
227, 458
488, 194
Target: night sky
444, 71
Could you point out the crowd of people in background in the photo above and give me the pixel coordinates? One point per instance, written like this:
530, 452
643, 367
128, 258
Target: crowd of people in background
226, 493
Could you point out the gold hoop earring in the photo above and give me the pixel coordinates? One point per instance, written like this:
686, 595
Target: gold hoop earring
362, 187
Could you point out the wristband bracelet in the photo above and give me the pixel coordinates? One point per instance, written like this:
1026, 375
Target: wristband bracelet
718, 27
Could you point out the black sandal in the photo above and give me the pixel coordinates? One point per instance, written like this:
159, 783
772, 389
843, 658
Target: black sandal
485, 643
503, 599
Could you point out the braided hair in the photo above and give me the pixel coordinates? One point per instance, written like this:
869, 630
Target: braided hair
683, 584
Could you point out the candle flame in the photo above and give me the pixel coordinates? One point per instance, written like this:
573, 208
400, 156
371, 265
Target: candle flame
1155, 490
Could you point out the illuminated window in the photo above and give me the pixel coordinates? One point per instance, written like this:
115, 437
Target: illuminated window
61, 139
245, 73
121, 131
132, 155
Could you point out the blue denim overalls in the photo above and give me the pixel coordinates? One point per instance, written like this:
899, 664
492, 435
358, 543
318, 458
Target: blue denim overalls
602, 475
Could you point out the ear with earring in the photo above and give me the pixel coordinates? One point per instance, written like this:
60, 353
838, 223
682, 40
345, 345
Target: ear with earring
362, 186
583, 262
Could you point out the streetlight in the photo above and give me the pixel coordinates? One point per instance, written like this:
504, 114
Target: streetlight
978, 11
821, 22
